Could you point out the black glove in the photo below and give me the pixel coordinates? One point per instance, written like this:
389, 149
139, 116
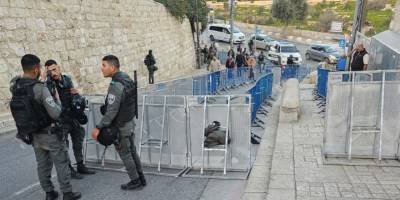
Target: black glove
103, 109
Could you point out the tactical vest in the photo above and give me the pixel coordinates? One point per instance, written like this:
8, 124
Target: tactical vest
127, 108
30, 116
357, 63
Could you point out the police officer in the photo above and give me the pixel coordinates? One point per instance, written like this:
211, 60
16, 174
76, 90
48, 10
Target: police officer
150, 62
42, 113
56, 81
119, 112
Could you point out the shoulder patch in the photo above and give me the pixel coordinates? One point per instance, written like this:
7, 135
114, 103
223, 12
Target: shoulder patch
110, 98
50, 101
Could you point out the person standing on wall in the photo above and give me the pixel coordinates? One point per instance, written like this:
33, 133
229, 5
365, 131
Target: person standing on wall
118, 114
150, 62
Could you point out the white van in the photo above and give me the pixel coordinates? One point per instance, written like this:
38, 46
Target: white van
222, 32
281, 51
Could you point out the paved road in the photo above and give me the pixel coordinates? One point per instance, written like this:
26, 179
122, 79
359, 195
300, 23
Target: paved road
18, 180
300, 46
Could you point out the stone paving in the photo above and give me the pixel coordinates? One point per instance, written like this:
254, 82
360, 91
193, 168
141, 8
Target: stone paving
298, 171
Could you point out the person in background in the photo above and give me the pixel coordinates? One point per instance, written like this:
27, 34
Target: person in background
359, 58
215, 65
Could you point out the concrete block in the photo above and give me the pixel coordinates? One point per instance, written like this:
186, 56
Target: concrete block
290, 107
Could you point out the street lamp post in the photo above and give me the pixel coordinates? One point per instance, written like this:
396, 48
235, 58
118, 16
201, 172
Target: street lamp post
197, 36
232, 3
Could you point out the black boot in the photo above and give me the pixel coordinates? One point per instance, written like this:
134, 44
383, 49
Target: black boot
82, 169
142, 179
74, 174
132, 185
71, 195
53, 195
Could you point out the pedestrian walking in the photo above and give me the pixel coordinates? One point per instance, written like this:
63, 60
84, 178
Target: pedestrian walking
150, 62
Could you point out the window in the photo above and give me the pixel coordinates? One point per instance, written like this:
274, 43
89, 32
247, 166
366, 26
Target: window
226, 31
289, 49
216, 28
315, 48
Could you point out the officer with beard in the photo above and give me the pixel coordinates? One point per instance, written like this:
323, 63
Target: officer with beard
56, 81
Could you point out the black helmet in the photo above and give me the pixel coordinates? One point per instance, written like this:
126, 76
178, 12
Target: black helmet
78, 103
108, 136
78, 108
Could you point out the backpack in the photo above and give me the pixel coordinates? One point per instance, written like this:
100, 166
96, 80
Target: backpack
30, 117
215, 135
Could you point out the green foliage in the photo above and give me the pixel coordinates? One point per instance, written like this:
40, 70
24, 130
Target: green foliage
287, 10
300, 8
281, 9
342, 11
182, 9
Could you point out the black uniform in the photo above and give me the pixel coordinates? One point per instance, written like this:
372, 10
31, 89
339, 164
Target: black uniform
70, 121
150, 62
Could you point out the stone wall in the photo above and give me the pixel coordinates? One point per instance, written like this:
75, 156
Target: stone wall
78, 33
395, 25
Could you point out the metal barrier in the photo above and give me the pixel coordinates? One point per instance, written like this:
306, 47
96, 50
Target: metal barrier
322, 84
168, 134
295, 71
259, 93
363, 114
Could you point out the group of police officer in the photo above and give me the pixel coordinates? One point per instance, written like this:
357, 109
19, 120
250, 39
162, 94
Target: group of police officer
46, 112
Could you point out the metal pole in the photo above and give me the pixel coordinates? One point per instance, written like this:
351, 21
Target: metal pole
357, 21
197, 36
231, 22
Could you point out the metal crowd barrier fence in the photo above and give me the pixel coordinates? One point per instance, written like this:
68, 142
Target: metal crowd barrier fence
362, 114
295, 71
259, 93
322, 83
168, 134
212, 83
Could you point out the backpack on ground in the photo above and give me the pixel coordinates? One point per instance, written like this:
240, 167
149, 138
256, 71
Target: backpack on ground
215, 135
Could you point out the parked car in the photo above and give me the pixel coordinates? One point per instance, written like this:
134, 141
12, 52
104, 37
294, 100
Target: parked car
281, 51
262, 41
323, 52
222, 32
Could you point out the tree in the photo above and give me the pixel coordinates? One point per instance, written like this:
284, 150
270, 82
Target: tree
287, 10
182, 9
281, 9
300, 8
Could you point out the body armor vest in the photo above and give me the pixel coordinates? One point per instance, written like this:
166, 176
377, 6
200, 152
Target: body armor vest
357, 63
30, 116
127, 108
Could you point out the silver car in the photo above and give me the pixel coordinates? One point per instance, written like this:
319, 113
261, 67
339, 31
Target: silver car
262, 41
323, 53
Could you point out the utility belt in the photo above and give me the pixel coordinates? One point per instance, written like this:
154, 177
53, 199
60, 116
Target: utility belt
57, 129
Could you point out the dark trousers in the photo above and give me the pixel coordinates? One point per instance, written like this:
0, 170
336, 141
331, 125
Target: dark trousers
127, 152
151, 78
77, 134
